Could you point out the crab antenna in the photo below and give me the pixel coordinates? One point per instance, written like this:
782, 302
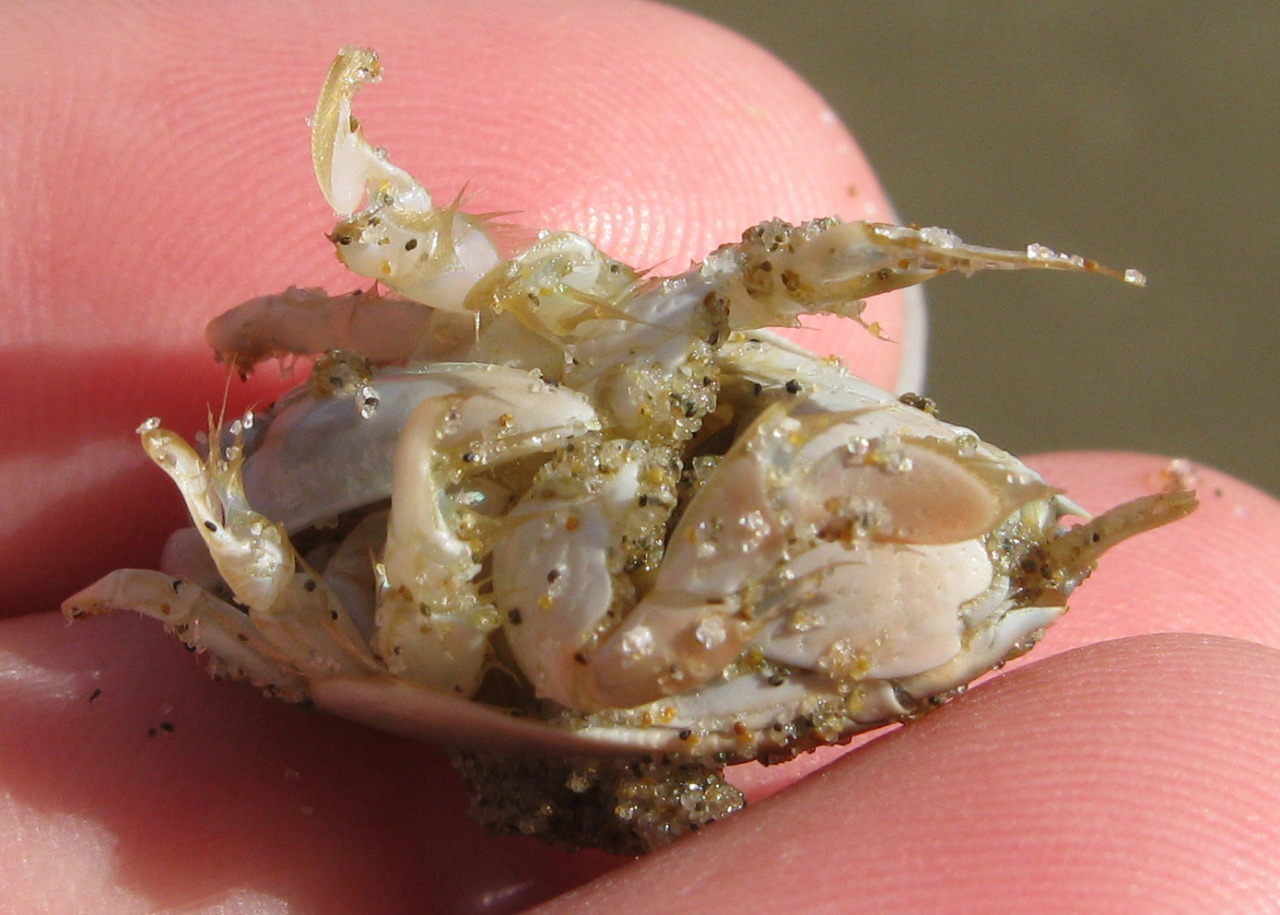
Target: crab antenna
940, 249
1077, 551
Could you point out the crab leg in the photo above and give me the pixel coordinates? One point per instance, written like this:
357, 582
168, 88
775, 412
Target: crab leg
432, 625
287, 602
710, 598
197, 617
640, 347
561, 564
564, 289
385, 330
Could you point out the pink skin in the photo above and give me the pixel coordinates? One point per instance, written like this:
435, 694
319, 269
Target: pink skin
163, 175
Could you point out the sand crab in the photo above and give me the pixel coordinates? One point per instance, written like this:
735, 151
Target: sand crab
601, 533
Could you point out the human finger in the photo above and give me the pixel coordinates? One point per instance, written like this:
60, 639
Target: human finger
131, 782
1135, 774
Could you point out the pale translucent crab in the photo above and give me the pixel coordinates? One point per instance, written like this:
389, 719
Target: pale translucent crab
600, 533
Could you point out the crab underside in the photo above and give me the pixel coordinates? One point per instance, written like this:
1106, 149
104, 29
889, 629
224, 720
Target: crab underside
600, 533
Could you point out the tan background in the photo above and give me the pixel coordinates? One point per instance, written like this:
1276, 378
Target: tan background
1143, 134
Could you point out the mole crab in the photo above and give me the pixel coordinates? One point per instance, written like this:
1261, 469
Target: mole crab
600, 533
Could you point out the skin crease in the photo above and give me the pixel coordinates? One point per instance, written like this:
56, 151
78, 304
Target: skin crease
163, 176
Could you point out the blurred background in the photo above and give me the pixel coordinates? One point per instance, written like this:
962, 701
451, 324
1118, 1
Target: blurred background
1141, 134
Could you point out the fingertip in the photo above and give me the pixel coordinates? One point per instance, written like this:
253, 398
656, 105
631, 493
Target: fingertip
1120, 777
143, 785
